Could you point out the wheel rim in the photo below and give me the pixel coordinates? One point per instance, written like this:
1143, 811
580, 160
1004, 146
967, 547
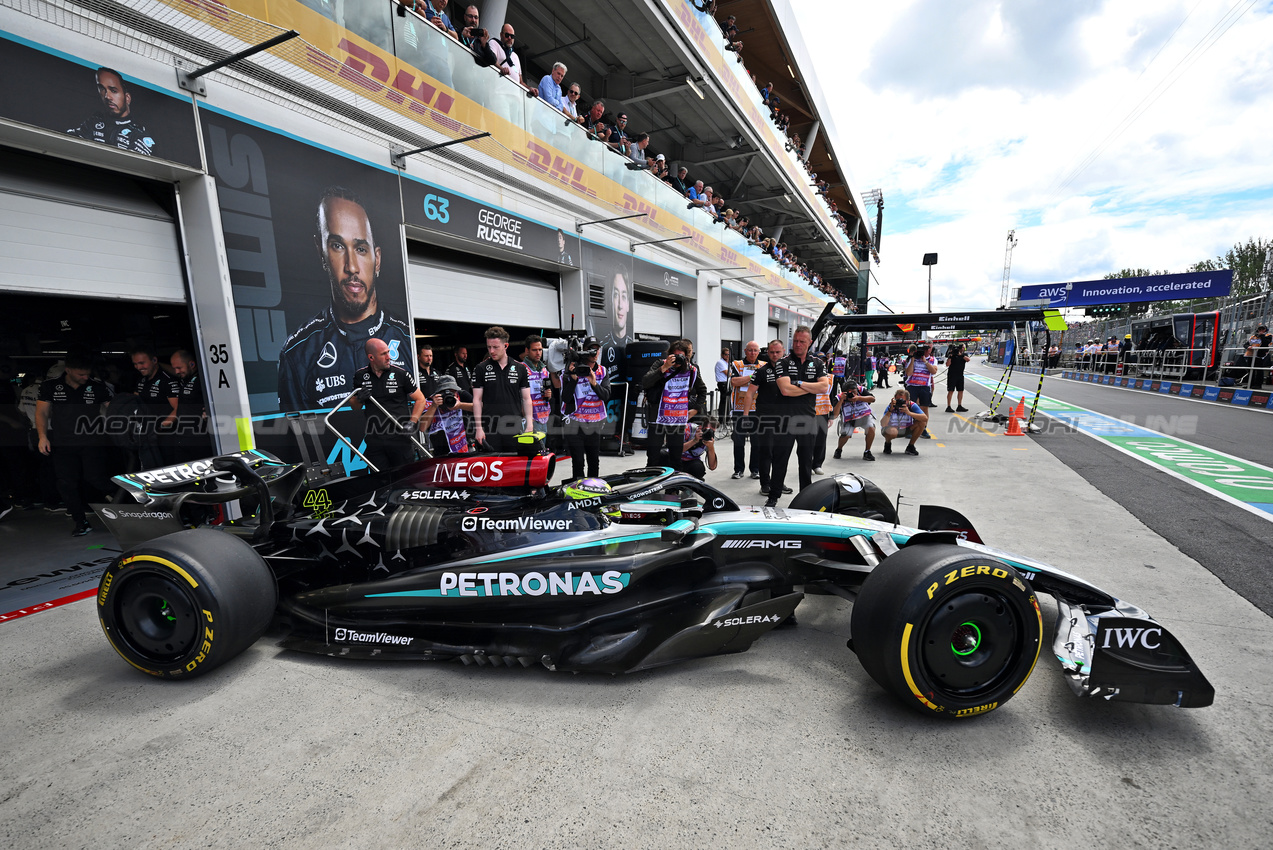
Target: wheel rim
972, 643
156, 617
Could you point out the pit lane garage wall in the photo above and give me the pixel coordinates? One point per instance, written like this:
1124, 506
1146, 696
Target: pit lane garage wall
250, 223
84, 233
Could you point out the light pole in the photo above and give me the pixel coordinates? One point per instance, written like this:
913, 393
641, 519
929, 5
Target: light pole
930, 260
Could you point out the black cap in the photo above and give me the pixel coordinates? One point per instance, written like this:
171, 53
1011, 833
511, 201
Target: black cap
591, 344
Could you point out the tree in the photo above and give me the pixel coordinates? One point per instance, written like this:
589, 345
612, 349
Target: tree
1247, 262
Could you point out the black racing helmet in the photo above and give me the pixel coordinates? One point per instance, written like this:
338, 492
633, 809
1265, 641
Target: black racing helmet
849, 494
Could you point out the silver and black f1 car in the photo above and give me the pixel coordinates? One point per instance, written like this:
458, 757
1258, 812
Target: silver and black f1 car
476, 558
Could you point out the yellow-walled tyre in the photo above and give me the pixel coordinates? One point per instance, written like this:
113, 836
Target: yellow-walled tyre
181, 605
949, 632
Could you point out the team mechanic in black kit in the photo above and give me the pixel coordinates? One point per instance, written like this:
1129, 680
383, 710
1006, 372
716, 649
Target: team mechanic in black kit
318, 361
116, 126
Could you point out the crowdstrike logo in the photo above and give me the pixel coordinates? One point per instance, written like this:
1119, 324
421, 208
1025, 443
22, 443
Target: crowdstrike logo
351, 636
760, 544
473, 523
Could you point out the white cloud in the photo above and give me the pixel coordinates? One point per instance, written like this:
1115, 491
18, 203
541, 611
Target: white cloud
978, 117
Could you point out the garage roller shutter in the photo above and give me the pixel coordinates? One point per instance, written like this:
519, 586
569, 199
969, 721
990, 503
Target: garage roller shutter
731, 328
657, 318
442, 290
104, 239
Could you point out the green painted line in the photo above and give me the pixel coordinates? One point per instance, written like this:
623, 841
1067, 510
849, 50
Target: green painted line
1238, 481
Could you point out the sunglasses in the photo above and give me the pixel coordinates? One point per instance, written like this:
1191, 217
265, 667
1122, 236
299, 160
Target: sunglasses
575, 93
507, 35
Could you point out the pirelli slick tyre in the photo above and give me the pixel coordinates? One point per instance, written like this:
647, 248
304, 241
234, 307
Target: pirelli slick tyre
948, 631
181, 605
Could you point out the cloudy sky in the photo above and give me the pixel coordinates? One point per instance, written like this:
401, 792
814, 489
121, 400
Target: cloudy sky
1107, 134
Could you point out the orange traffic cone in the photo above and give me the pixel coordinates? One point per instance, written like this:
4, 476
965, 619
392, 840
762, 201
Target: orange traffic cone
1015, 415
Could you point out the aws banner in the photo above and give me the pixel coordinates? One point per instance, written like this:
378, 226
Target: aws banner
1125, 290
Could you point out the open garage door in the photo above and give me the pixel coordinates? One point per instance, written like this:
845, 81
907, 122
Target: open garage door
660, 318
72, 230
455, 287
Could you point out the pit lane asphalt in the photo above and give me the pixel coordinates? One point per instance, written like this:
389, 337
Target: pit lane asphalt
788, 745
1232, 544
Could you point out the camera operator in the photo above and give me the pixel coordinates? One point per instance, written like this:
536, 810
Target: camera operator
919, 371
585, 390
800, 378
382, 384
956, 359
541, 381
449, 404
700, 442
903, 416
854, 408
671, 386
742, 409
502, 407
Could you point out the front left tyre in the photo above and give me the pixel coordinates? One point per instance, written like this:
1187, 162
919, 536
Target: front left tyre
181, 605
949, 631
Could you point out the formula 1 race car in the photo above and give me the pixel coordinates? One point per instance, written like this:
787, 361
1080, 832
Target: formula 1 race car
477, 558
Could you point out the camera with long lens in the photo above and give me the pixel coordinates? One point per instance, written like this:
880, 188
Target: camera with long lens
578, 355
449, 399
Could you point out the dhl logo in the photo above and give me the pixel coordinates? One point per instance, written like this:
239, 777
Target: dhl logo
562, 169
370, 72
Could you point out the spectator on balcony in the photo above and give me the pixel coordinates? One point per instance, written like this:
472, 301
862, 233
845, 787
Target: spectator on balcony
705, 197
659, 166
572, 103
695, 193
718, 210
678, 181
636, 148
437, 17
468, 35
595, 113
482, 53
507, 62
601, 132
766, 92
550, 87
619, 137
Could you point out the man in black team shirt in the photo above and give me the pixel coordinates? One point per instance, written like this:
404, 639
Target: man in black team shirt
116, 126
388, 439
502, 406
800, 378
64, 416
318, 361
769, 419
956, 360
157, 394
190, 437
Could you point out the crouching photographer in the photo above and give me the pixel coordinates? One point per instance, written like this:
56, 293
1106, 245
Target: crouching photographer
699, 454
585, 390
669, 386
